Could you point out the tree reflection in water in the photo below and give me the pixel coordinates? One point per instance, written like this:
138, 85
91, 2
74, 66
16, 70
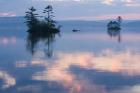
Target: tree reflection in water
41, 30
115, 33
47, 39
114, 28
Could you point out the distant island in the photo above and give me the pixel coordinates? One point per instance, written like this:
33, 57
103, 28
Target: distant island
115, 24
114, 28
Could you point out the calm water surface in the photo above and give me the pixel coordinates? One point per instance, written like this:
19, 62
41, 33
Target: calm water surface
82, 62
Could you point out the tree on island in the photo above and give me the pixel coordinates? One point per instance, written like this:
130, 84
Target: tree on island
39, 29
119, 19
49, 17
31, 17
115, 25
114, 28
45, 26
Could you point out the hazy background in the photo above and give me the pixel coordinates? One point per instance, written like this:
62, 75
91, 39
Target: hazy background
75, 9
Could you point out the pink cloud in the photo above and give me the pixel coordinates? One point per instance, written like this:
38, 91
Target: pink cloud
129, 16
125, 16
7, 14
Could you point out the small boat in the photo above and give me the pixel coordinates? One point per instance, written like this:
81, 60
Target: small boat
75, 30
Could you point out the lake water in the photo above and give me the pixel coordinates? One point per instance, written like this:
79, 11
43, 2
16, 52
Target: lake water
89, 61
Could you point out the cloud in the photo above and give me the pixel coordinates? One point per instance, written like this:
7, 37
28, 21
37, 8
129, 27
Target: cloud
108, 2
65, 9
125, 63
126, 16
124, 2
62, 0
7, 14
132, 4
7, 79
134, 89
128, 1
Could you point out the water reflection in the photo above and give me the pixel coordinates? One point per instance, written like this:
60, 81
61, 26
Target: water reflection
115, 33
94, 70
36, 36
8, 80
105, 71
7, 40
41, 30
114, 28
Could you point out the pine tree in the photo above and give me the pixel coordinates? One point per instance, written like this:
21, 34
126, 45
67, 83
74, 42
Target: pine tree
31, 17
49, 17
119, 19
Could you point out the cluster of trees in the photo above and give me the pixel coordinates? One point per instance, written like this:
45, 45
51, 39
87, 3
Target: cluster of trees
41, 24
41, 28
114, 28
115, 25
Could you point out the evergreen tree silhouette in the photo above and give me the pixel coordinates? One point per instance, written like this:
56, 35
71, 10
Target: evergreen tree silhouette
31, 17
49, 17
119, 19
41, 30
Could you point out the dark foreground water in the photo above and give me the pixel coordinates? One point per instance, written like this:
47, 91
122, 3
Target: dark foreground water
81, 62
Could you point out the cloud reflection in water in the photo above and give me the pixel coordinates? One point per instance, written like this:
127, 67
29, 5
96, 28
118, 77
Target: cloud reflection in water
125, 63
7, 79
7, 40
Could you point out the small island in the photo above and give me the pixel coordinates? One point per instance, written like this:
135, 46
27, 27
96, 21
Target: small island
114, 28
41, 28
115, 25
43, 24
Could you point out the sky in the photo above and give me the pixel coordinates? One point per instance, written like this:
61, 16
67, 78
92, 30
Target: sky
75, 9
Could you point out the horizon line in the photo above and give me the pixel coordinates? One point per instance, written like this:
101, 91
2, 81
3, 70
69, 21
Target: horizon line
74, 19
